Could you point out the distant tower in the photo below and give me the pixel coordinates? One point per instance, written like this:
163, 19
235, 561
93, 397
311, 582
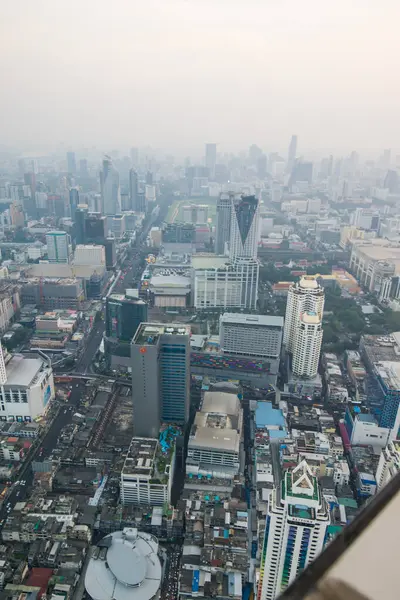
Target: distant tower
296, 524
135, 157
292, 153
3, 372
110, 190
211, 159
245, 227
71, 163
133, 189
223, 226
58, 246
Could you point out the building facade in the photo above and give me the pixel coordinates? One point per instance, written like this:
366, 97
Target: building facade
250, 335
304, 296
110, 189
160, 360
296, 524
307, 345
147, 474
245, 227
124, 314
58, 246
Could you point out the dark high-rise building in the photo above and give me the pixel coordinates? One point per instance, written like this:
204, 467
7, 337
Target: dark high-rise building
30, 179
79, 217
71, 162
223, 227
134, 189
95, 228
73, 200
124, 314
302, 171
160, 361
149, 178
111, 253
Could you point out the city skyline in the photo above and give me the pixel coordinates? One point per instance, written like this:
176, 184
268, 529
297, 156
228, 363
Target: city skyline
307, 70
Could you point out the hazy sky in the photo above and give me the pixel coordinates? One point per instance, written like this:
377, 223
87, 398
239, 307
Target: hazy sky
178, 73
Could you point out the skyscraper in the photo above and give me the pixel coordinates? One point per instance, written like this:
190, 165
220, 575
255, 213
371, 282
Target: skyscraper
135, 157
302, 171
110, 190
30, 179
307, 345
223, 227
83, 167
160, 360
245, 227
211, 159
58, 246
73, 201
243, 245
296, 524
304, 296
133, 189
262, 166
292, 154
71, 162
124, 314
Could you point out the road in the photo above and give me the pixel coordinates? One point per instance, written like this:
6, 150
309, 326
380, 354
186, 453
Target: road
20, 492
90, 349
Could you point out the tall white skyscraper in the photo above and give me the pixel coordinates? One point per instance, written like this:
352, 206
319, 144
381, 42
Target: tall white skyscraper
110, 190
304, 296
58, 246
297, 519
307, 345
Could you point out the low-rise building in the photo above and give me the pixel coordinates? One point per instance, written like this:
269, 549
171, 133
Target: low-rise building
215, 446
147, 474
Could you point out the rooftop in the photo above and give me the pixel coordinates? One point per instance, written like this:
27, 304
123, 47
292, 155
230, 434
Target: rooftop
389, 372
266, 416
124, 566
22, 371
218, 425
208, 262
148, 333
242, 319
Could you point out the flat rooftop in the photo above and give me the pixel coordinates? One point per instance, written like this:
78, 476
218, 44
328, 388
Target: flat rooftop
140, 457
390, 373
149, 333
241, 319
209, 262
22, 371
218, 425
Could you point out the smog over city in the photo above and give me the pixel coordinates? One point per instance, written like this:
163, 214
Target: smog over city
199, 299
